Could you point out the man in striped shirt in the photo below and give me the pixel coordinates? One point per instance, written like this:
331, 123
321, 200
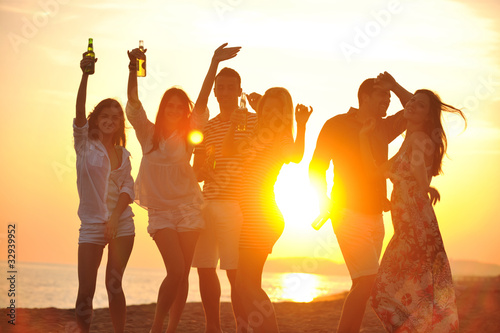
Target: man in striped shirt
222, 181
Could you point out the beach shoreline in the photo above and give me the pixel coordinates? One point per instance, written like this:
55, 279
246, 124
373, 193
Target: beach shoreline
478, 303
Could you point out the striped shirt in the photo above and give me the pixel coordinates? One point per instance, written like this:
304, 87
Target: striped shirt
263, 222
224, 173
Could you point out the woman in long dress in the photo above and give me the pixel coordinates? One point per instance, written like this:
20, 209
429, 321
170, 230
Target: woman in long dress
414, 290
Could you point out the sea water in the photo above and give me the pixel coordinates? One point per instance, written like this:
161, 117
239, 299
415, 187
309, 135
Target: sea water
41, 285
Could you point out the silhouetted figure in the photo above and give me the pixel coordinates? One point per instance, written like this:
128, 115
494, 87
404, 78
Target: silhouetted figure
106, 190
222, 213
166, 184
357, 201
414, 290
265, 151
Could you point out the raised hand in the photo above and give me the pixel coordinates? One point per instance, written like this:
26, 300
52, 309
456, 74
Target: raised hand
253, 100
134, 55
385, 81
86, 61
302, 114
224, 53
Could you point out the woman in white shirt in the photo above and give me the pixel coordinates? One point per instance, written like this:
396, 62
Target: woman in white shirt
105, 188
166, 185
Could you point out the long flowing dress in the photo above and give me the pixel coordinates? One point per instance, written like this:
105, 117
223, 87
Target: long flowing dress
414, 288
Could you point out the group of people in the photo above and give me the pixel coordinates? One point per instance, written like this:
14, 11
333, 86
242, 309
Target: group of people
235, 219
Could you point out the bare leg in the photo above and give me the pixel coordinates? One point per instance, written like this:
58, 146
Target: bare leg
210, 298
257, 305
355, 304
238, 310
188, 243
168, 242
89, 258
119, 250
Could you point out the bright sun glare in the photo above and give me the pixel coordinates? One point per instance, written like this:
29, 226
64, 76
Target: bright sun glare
195, 137
296, 198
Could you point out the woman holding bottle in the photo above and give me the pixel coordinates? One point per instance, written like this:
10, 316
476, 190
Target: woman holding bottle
106, 190
265, 151
166, 185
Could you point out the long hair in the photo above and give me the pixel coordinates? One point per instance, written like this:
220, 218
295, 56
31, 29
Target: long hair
162, 116
119, 138
285, 118
434, 127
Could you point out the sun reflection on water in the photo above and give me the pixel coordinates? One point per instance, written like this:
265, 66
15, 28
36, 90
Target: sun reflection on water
300, 287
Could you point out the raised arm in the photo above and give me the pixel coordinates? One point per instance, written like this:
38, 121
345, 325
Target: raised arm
296, 151
387, 81
132, 89
81, 118
221, 53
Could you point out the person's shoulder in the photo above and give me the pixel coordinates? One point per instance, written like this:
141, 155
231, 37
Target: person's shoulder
420, 140
336, 121
125, 151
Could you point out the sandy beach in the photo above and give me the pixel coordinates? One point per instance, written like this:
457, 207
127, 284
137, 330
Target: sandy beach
478, 304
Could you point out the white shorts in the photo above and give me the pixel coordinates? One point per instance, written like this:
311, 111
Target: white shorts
220, 239
94, 232
360, 237
184, 218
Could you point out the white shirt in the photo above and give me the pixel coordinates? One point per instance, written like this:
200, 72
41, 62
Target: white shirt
166, 180
93, 172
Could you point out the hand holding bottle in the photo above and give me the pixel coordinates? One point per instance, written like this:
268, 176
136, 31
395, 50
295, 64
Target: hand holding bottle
242, 125
133, 56
87, 63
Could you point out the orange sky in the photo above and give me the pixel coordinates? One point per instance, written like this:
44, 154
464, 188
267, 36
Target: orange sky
319, 50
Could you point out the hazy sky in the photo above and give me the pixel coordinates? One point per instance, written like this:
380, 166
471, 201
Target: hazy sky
319, 50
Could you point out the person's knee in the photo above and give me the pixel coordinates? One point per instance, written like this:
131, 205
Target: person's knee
86, 291
114, 285
240, 286
207, 273
231, 276
177, 273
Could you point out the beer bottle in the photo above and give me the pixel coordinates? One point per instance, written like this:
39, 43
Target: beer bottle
243, 105
90, 53
141, 62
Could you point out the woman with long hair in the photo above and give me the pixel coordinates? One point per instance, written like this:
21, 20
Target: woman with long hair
265, 150
414, 290
166, 184
106, 190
